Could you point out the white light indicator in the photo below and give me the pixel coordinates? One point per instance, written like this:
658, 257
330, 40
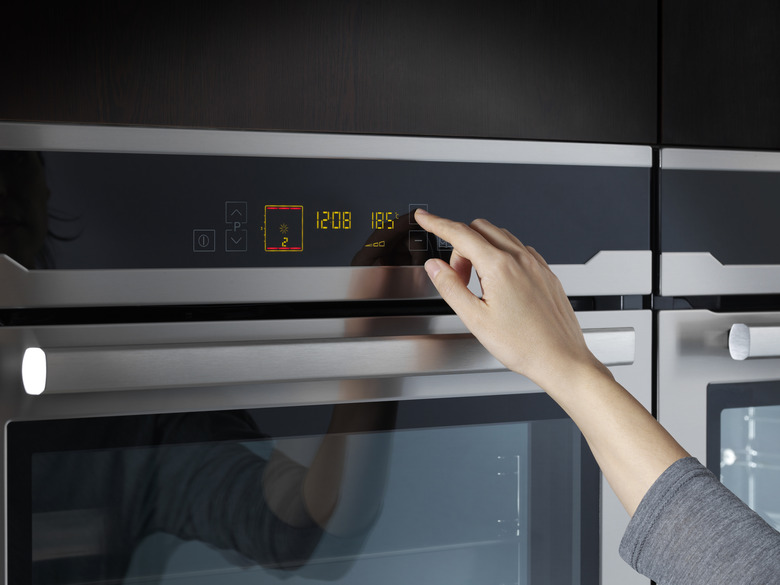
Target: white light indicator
34, 370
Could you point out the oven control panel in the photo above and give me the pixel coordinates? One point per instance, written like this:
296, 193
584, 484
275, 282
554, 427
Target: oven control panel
102, 210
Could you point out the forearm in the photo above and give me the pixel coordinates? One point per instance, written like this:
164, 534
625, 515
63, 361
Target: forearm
630, 446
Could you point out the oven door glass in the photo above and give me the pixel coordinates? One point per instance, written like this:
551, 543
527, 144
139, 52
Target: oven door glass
494, 490
744, 443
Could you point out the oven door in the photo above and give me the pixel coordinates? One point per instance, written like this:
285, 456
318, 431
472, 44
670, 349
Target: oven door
719, 395
186, 453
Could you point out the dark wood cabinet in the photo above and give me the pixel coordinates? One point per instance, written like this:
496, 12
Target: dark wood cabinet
530, 69
721, 73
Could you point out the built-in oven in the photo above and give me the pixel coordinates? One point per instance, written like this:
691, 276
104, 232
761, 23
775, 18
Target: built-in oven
723, 404
718, 351
225, 364
147, 456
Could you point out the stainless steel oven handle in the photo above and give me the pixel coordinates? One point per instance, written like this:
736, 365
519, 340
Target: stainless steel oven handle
68, 370
754, 341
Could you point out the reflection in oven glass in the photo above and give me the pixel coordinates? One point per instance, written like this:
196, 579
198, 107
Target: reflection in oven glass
490, 503
750, 458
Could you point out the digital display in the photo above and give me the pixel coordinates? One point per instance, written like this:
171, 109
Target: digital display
284, 225
283, 228
334, 220
383, 220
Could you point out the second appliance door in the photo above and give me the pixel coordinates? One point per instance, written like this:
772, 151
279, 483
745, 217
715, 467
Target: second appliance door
452, 470
718, 223
719, 395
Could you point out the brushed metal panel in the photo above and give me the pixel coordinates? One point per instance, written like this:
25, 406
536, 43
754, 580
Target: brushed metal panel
700, 273
692, 353
719, 160
607, 273
23, 136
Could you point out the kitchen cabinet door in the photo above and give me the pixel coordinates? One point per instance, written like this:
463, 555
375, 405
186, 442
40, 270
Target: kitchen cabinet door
721, 73
532, 69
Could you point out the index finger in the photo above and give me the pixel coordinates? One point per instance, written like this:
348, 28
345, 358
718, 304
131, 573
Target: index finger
466, 241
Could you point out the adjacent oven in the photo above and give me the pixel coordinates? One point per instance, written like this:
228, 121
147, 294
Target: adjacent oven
222, 362
718, 350
724, 408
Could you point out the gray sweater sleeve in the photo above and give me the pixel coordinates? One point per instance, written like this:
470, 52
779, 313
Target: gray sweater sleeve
689, 529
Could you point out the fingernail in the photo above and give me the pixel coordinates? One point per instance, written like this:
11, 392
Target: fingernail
421, 210
432, 267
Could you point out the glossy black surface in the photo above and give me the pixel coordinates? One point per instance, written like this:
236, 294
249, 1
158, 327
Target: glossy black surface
172, 211
733, 215
459, 473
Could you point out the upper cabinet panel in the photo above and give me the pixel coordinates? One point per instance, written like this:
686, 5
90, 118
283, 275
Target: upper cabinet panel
720, 81
541, 70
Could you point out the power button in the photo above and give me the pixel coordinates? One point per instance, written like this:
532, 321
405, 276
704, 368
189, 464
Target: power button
203, 240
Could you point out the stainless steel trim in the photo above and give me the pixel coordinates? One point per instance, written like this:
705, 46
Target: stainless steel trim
23, 136
607, 273
610, 272
746, 342
719, 160
84, 288
700, 273
692, 353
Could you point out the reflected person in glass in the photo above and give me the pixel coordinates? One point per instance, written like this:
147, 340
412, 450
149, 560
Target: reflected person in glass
24, 196
191, 474
213, 477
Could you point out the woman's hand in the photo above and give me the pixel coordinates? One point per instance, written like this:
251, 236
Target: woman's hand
524, 317
526, 321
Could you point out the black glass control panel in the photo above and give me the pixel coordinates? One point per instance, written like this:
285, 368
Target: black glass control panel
730, 214
78, 210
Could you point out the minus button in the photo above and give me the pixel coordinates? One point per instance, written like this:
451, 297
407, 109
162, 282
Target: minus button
418, 241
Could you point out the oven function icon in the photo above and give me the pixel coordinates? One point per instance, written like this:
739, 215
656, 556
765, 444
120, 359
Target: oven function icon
203, 240
443, 245
283, 228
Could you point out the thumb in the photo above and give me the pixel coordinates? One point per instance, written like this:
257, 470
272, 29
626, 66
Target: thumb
451, 287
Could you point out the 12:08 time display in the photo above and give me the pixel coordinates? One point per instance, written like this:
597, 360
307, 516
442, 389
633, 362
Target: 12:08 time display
334, 220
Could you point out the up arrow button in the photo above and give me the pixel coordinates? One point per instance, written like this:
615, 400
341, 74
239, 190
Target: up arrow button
235, 212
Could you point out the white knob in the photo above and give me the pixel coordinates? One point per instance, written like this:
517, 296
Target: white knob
747, 342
